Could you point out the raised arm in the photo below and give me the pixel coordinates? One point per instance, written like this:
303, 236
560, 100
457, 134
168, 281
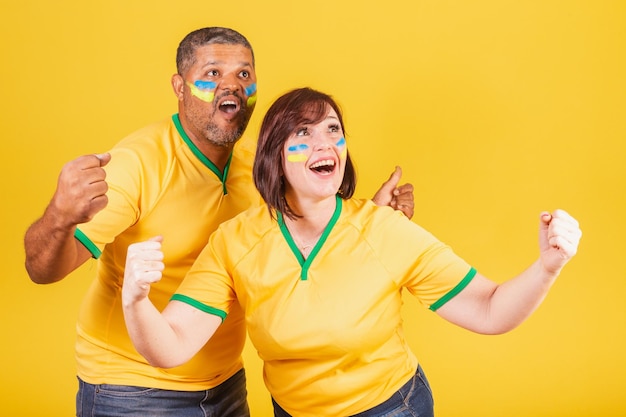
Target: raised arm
397, 197
51, 250
165, 340
486, 307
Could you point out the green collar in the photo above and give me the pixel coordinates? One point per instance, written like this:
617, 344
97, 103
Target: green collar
206, 161
306, 263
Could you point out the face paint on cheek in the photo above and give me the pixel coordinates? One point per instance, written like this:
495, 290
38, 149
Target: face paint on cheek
341, 143
204, 90
295, 153
251, 93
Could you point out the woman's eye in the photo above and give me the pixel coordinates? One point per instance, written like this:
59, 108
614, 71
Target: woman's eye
302, 132
334, 128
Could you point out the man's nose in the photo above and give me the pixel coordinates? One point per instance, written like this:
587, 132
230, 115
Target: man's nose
230, 82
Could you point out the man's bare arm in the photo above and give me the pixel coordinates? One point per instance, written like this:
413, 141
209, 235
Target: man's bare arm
52, 252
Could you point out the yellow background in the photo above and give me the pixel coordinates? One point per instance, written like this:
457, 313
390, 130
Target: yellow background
495, 109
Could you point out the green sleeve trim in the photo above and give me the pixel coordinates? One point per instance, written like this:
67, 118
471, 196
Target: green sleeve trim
454, 291
206, 161
91, 247
197, 304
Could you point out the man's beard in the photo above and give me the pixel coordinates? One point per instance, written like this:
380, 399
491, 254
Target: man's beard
226, 137
210, 130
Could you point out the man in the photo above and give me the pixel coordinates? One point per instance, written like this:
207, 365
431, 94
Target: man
179, 178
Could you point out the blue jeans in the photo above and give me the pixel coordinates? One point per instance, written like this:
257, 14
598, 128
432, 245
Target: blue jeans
226, 400
414, 399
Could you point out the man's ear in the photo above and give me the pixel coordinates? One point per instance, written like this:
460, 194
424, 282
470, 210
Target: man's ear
178, 84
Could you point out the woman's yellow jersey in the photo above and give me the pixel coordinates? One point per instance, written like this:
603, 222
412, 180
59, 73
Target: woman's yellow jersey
328, 328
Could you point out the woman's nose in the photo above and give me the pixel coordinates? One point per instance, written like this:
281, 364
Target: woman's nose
323, 145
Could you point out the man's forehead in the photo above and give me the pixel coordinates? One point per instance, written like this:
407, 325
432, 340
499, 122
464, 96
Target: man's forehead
224, 53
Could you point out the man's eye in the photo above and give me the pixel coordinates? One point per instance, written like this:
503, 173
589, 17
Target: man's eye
244, 74
212, 73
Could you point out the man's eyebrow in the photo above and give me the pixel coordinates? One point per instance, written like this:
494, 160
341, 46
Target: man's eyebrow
220, 62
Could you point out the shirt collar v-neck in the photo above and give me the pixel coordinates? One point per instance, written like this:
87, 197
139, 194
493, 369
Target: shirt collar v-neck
206, 161
306, 263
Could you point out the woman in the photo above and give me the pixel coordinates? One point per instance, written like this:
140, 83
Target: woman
320, 277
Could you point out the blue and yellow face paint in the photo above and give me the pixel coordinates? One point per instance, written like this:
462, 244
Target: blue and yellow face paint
251, 94
204, 90
295, 153
341, 143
